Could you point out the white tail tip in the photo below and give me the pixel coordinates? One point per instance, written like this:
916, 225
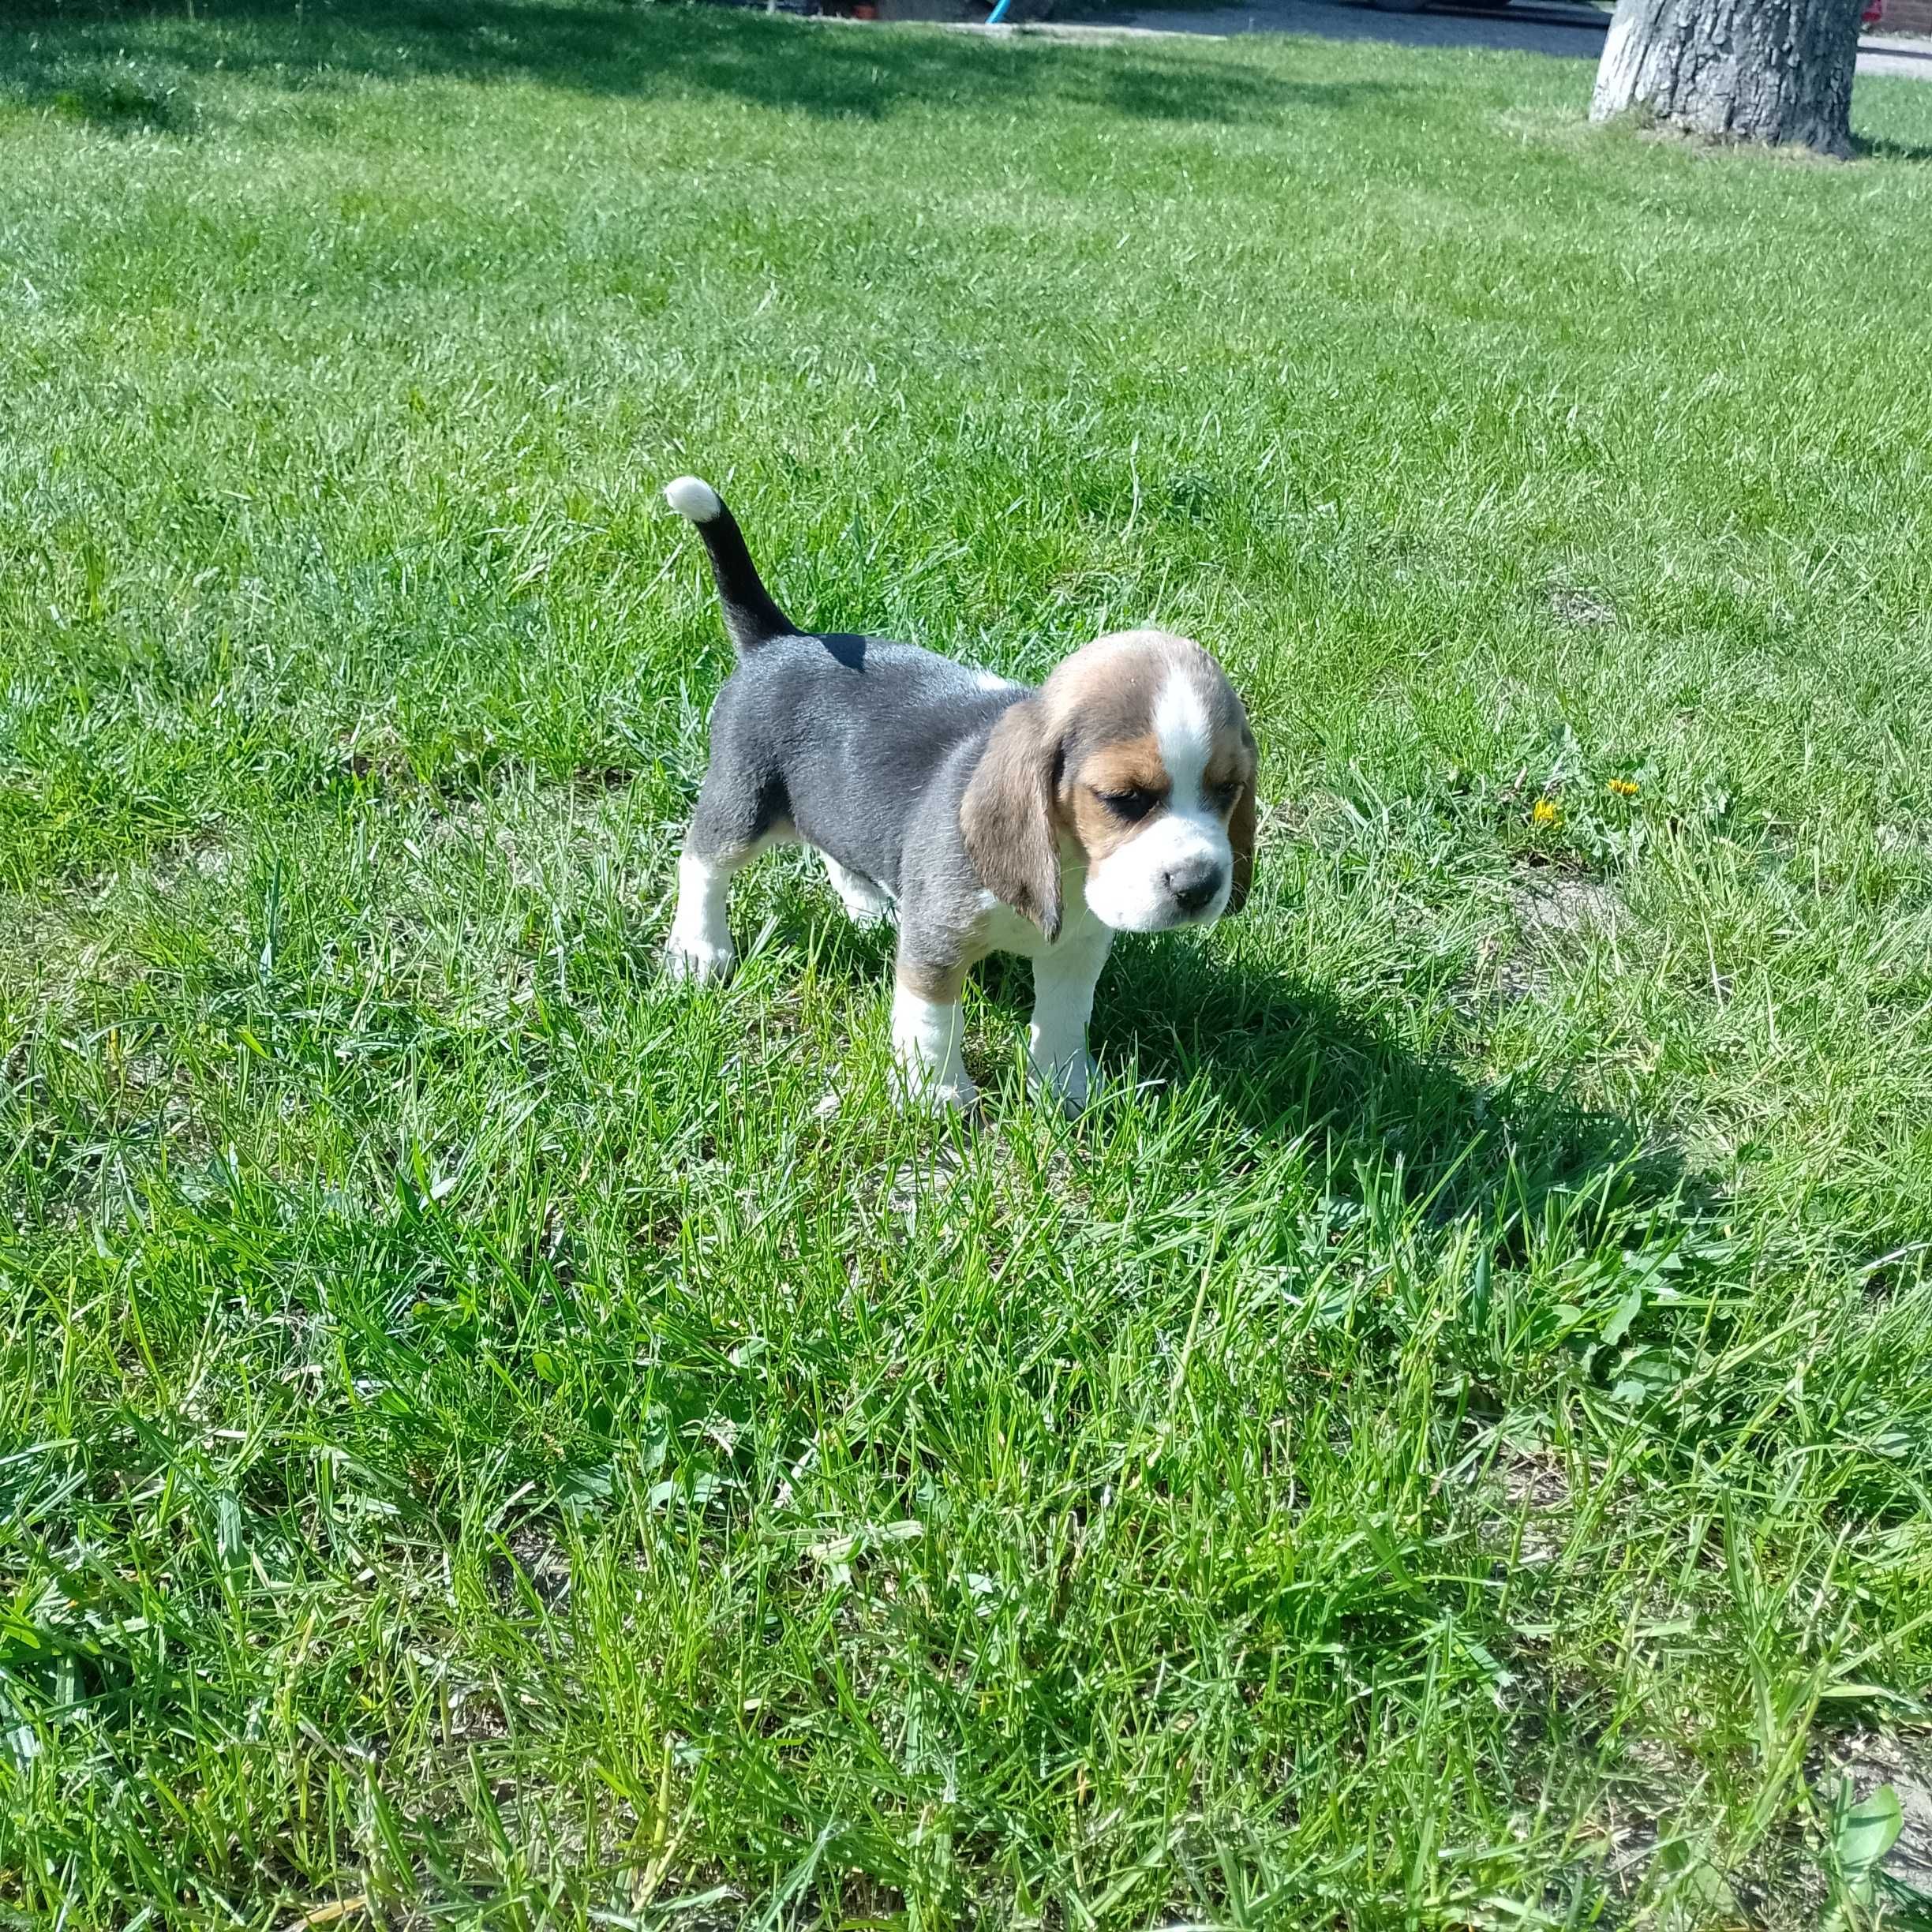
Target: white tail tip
693, 498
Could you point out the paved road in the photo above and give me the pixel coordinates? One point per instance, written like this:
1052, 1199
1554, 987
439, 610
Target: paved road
1576, 31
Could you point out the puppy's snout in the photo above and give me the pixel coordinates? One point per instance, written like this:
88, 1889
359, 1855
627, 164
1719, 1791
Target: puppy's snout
1194, 884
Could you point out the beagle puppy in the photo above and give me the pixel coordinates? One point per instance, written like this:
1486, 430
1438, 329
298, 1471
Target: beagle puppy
990, 817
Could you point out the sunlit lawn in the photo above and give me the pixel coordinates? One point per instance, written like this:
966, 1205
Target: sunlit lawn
492, 1438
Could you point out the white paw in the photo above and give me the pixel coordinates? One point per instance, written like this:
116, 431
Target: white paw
1073, 1082
866, 913
918, 1093
697, 962
929, 1070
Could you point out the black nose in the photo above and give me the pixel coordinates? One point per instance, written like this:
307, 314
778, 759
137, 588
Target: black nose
1194, 885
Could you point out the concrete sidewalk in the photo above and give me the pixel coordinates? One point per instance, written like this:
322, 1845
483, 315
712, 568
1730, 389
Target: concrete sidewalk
1910, 58
1572, 31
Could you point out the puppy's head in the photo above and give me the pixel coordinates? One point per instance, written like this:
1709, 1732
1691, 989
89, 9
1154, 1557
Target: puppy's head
1135, 761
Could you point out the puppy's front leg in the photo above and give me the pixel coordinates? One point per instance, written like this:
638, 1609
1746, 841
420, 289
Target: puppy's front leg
929, 1031
1064, 978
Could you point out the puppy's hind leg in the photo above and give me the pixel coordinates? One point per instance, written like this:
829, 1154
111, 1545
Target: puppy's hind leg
731, 826
698, 947
865, 903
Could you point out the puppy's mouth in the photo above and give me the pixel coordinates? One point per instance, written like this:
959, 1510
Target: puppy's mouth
1167, 916
1180, 916
1160, 889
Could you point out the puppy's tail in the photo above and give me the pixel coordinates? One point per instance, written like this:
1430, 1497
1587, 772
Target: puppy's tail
750, 616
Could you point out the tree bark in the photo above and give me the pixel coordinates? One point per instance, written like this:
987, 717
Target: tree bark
1765, 70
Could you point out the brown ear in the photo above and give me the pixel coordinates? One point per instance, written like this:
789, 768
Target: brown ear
1007, 817
1242, 842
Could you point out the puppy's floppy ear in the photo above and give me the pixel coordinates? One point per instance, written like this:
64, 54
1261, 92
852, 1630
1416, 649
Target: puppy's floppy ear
1242, 844
1007, 816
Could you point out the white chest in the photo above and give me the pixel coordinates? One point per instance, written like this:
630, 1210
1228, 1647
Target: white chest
1002, 929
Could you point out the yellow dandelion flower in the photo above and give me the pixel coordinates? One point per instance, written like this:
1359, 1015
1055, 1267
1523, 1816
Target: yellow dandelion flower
1545, 812
1623, 787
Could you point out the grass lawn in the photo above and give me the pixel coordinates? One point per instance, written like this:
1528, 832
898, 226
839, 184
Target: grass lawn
489, 1438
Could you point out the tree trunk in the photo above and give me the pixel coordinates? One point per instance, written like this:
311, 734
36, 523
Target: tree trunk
1767, 70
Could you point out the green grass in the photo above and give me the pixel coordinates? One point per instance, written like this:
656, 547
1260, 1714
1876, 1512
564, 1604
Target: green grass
482, 1438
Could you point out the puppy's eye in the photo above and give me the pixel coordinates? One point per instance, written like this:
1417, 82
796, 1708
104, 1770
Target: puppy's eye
1224, 796
1135, 802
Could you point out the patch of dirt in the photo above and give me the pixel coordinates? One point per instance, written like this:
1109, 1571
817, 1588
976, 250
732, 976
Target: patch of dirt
911, 1187
1551, 908
1531, 1485
545, 1561
476, 1717
1913, 840
1536, 1487
1638, 1812
1659, 1821
1560, 905
206, 855
1574, 606
43, 944
1324, 819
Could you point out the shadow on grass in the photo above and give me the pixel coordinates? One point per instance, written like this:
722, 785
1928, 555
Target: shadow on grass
54, 52
1290, 1058
1287, 1058
122, 107
1881, 150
